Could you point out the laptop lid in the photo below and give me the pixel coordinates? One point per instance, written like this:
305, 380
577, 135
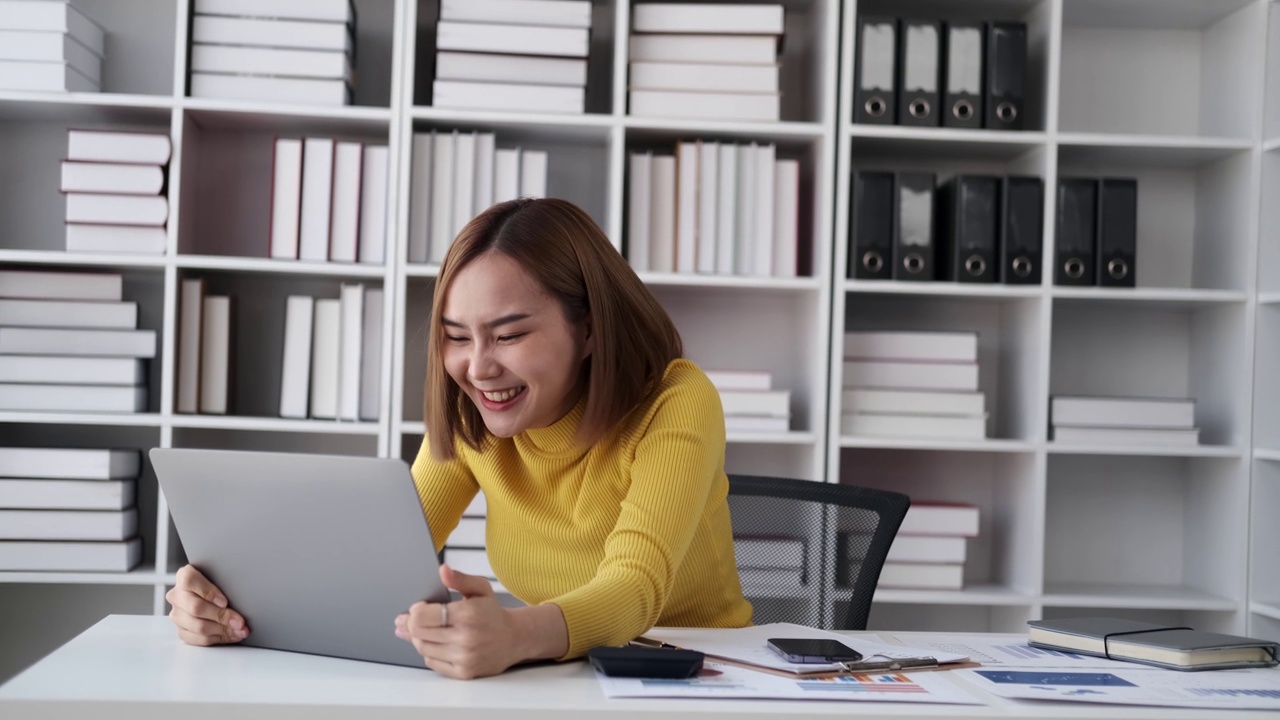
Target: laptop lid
320, 553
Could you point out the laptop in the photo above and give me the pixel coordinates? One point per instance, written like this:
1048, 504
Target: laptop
320, 553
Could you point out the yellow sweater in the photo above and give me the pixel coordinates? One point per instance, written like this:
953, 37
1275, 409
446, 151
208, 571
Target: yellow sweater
630, 533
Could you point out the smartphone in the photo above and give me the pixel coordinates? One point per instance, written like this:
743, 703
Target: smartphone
808, 650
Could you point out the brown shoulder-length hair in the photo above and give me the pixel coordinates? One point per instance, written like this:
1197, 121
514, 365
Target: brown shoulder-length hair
568, 254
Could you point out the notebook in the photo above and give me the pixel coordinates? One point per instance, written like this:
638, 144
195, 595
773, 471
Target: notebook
1176, 648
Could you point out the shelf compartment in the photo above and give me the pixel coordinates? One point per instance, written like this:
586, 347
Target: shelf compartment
1264, 571
1268, 261
770, 458
140, 41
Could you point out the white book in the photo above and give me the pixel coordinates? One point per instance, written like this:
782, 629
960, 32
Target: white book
69, 463
286, 198
662, 215
708, 205
740, 379
53, 17
324, 10
768, 552
561, 13
1164, 437
286, 62
190, 315
786, 218
717, 49
766, 162
768, 580
482, 192
911, 375
56, 370
1120, 412
938, 518
727, 210
922, 549
371, 356
886, 425
131, 239
63, 341
703, 105
464, 180
533, 173
441, 195
37, 284
295, 369
44, 77
477, 508
922, 576
317, 199
469, 95
639, 186
469, 533
351, 338
68, 313
70, 556
258, 88
344, 226
122, 178
326, 344
469, 561
521, 69
104, 209
73, 398
271, 32
41, 494
118, 147
704, 77
54, 47
511, 38
373, 205
506, 174
756, 424
744, 247
68, 524
687, 207
908, 402
215, 354
727, 18
421, 170
769, 403
960, 347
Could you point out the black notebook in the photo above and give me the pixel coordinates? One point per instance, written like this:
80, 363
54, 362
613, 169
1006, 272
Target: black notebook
1176, 648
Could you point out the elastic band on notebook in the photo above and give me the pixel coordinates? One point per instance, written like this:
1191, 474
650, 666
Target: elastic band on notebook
1106, 639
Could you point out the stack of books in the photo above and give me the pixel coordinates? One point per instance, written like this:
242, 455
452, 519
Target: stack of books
458, 175
69, 509
69, 343
49, 46
274, 50
204, 350
515, 55
114, 184
329, 201
768, 562
913, 385
714, 208
750, 403
694, 60
332, 358
928, 552
1124, 421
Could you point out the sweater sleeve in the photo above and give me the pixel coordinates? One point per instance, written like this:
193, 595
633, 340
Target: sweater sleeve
444, 489
676, 463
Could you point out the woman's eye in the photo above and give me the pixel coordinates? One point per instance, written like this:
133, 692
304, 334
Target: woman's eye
508, 338
455, 338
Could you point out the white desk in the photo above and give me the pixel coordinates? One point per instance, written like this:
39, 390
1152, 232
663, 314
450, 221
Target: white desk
135, 668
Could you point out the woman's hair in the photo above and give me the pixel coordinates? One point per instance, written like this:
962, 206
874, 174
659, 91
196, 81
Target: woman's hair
568, 255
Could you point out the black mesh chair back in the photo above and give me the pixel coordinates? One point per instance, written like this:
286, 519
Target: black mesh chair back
810, 552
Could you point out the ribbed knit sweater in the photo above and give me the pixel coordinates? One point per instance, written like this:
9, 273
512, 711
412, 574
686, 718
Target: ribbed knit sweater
627, 534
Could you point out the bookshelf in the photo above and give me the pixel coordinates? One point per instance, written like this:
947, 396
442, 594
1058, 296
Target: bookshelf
1203, 321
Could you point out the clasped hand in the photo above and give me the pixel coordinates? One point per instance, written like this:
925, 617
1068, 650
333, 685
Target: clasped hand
466, 639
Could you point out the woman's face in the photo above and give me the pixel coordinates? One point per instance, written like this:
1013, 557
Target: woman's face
509, 346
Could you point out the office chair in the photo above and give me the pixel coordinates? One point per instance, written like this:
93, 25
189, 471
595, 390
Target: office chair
810, 552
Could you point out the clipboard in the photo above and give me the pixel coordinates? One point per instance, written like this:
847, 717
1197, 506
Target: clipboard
895, 665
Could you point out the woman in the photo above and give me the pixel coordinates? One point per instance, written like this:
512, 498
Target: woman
555, 385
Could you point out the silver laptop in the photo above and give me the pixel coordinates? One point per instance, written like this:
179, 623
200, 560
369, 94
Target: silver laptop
318, 552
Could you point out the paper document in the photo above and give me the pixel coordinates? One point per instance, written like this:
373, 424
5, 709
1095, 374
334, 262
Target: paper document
718, 680
1253, 689
995, 650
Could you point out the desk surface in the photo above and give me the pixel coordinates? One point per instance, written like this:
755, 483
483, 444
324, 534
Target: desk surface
135, 667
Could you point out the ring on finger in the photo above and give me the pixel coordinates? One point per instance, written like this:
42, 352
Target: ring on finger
444, 616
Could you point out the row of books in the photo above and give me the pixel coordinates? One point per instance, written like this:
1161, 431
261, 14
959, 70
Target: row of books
714, 208
274, 50
928, 553
1123, 420
332, 356
526, 55
50, 46
697, 60
114, 183
749, 401
69, 342
912, 384
456, 176
205, 335
69, 509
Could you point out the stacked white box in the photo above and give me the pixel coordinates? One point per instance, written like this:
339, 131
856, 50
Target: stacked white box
49, 46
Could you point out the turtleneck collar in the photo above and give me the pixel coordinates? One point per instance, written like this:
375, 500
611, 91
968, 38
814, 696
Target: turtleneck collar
556, 439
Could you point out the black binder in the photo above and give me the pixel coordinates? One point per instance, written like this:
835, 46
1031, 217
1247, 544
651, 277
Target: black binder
1021, 229
1076, 230
962, 76
1006, 75
1117, 231
874, 98
968, 228
918, 63
871, 249
913, 238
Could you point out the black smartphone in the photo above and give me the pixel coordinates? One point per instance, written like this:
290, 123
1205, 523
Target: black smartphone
808, 650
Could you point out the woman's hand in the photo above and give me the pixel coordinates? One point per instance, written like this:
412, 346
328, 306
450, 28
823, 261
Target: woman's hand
201, 612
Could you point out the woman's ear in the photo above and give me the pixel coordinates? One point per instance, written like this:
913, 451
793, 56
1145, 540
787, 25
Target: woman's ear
588, 339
